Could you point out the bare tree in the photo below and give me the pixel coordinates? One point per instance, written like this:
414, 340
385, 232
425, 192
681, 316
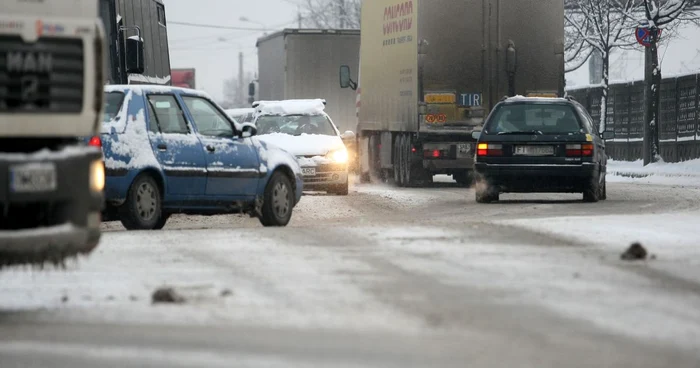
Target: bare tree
602, 26
657, 15
328, 14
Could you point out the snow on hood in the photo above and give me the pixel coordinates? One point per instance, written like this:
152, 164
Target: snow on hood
290, 107
305, 144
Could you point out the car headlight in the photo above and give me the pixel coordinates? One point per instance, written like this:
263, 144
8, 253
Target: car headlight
339, 156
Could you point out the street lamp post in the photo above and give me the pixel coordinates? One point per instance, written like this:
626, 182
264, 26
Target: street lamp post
248, 20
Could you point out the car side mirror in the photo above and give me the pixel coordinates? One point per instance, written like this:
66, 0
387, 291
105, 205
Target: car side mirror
349, 135
134, 55
248, 130
608, 134
476, 135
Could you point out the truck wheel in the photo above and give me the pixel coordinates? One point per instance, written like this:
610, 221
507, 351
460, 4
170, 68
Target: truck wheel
278, 201
406, 160
142, 208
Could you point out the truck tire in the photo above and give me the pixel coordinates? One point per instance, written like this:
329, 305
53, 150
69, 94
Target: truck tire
396, 159
278, 201
408, 179
142, 208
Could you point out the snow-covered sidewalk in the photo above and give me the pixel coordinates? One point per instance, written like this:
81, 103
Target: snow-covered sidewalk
661, 173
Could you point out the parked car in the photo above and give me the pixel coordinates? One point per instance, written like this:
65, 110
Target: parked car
302, 128
172, 150
246, 115
536, 145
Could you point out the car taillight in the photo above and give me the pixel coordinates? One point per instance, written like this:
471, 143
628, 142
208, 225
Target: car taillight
486, 149
575, 150
95, 142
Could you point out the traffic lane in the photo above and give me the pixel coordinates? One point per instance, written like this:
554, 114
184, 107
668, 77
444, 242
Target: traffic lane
479, 288
368, 203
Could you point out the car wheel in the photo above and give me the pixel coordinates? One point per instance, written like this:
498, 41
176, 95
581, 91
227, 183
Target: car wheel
142, 209
161, 221
278, 201
484, 193
593, 190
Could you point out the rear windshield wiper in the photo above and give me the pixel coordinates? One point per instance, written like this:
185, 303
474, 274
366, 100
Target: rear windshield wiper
521, 132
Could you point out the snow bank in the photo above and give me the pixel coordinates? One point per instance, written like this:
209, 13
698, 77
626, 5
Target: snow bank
291, 107
305, 144
681, 173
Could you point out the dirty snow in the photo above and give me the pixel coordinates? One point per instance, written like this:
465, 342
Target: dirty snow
305, 144
660, 173
290, 107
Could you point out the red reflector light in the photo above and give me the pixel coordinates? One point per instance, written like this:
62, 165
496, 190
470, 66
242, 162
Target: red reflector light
413, 149
95, 142
573, 150
436, 153
587, 150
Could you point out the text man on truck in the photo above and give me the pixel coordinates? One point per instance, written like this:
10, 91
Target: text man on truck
431, 70
51, 95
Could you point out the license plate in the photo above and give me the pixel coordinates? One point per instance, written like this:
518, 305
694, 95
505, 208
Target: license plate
308, 171
534, 150
464, 148
33, 178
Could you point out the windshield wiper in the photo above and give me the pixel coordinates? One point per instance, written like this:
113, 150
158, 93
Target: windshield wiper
531, 132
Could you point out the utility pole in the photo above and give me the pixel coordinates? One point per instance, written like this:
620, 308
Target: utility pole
241, 84
299, 16
341, 13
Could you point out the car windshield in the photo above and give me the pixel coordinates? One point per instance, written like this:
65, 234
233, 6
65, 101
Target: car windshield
534, 118
113, 103
295, 125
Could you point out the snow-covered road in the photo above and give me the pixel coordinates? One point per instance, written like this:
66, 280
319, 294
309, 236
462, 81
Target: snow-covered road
385, 277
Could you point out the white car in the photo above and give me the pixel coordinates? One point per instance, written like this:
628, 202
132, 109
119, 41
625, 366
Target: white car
245, 115
302, 128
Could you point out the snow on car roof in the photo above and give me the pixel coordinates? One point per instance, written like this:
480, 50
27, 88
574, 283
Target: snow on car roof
290, 107
139, 89
520, 98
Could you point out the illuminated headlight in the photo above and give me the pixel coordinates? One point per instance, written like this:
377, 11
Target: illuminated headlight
339, 156
97, 176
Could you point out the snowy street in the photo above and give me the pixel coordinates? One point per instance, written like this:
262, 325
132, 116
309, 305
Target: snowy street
384, 277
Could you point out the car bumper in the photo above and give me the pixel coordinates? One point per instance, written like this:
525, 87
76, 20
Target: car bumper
537, 178
325, 179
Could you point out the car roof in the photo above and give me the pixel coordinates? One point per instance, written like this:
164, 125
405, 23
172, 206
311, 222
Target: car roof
154, 88
536, 100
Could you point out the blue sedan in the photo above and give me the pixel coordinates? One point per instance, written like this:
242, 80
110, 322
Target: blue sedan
172, 150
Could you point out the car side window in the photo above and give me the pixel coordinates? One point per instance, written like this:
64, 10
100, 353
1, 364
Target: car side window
208, 119
168, 114
587, 120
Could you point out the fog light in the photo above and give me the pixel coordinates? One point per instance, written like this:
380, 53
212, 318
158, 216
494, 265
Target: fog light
97, 176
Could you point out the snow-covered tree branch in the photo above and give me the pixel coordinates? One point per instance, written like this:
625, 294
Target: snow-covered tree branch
327, 14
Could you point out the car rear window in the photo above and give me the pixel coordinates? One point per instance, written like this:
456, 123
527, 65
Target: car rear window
544, 118
113, 103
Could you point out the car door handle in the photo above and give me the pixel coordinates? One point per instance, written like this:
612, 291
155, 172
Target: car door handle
162, 147
211, 148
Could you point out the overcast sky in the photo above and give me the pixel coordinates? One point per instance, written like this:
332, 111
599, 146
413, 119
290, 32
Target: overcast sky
214, 52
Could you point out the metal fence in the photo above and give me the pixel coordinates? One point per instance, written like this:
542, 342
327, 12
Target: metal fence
679, 133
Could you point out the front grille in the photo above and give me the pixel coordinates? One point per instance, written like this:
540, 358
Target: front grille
318, 178
331, 167
43, 76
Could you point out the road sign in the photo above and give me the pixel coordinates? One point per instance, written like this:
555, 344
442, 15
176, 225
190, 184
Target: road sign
643, 35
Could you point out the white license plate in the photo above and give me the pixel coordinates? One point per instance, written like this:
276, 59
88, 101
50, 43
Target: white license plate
308, 171
33, 178
534, 150
464, 148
